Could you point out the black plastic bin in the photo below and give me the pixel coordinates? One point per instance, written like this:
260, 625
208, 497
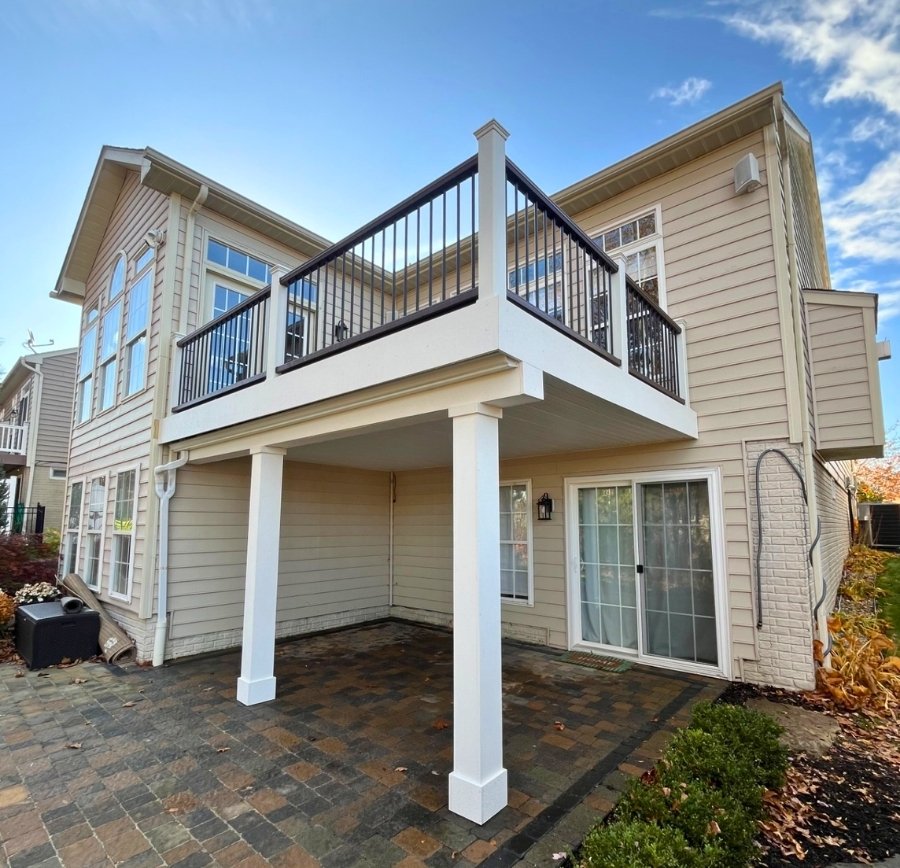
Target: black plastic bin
46, 635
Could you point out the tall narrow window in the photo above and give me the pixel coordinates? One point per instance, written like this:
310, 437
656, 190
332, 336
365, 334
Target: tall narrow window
95, 518
639, 241
117, 278
73, 528
515, 542
123, 534
86, 373
136, 331
109, 345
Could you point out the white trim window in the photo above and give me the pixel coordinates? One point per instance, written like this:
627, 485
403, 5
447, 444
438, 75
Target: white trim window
73, 528
139, 303
516, 573
109, 349
96, 520
58, 473
117, 277
124, 525
639, 241
540, 282
85, 397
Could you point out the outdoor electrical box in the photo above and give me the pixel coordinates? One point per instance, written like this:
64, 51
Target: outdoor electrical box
46, 634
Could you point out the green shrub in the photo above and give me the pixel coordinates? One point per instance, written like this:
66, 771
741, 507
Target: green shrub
748, 733
643, 845
708, 818
697, 756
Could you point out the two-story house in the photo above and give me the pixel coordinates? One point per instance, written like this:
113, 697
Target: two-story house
35, 424
606, 420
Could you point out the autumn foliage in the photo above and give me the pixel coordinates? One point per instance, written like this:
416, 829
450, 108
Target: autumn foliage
878, 479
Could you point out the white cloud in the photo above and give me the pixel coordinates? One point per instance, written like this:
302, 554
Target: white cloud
874, 129
855, 42
863, 221
689, 91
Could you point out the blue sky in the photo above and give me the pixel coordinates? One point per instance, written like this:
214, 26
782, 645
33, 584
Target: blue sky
330, 111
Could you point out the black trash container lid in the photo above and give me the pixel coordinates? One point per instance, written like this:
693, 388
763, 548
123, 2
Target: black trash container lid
43, 611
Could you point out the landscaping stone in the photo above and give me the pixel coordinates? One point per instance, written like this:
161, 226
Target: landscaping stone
805, 731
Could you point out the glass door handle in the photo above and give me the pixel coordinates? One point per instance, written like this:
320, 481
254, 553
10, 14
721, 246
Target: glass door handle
639, 568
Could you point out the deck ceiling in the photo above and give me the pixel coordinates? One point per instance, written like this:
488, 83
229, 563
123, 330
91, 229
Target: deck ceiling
567, 420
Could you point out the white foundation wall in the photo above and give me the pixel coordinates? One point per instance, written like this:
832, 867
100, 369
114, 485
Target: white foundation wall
785, 638
333, 554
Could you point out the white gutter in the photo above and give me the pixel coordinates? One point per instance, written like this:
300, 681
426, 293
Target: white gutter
164, 492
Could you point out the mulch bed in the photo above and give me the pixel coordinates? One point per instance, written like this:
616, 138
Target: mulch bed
842, 807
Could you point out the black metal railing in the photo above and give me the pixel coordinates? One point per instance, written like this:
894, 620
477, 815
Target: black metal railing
652, 342
554, 269
227, 353
415, 261
22, 519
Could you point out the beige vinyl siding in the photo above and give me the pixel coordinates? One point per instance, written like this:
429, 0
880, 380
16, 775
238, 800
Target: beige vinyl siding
120, 438
834, 514
55, 422
720, 279
50, 493
333, 553
847, 417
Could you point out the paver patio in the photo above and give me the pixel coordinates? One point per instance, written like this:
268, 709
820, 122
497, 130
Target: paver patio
348, 766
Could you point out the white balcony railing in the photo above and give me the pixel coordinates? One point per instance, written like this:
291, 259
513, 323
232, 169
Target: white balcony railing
13, 438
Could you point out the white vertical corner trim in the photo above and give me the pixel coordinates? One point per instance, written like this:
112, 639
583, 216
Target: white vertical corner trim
478, 782
277, 319
682, 361
257, 680
492, 277
619, 313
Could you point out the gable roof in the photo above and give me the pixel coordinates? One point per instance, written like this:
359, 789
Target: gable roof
166, 175
20, 371
728, 125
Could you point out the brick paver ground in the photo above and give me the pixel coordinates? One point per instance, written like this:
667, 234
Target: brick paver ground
348, 766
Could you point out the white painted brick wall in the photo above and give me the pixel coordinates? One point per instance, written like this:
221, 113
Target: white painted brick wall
784, 643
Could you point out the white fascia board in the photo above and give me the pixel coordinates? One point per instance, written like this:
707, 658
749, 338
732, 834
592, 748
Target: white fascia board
525, 337
446, 340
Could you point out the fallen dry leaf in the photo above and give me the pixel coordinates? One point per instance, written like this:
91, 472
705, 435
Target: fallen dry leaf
20, 675
713, 828
222, 749
558, 724
80, 681
128, 704
440, 723
401, 769
43, 674
74, 745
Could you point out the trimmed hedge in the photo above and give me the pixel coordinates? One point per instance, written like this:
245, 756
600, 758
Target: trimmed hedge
702, 807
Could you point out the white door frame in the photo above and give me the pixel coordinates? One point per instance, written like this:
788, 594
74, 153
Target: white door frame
713, 478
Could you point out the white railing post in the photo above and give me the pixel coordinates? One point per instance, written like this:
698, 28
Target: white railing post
619, 313
491, 210
276, 325
681, 360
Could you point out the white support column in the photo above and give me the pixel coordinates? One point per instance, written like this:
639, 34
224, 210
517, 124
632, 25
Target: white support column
276, 325
681, 357
619, 314
257, 681
478, 782
491, 210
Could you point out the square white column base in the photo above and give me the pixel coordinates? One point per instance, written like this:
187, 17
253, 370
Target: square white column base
254, 692
478, 802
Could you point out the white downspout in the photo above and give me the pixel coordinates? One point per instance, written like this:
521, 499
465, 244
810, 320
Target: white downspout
198, 202
164, 492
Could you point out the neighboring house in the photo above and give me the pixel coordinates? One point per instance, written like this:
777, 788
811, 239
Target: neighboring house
497, 431
35, 425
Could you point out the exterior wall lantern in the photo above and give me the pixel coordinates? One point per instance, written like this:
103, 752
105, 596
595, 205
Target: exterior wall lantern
545, 507
340, 331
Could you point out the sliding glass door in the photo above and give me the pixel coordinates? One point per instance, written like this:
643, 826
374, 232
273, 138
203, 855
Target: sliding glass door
643, 568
